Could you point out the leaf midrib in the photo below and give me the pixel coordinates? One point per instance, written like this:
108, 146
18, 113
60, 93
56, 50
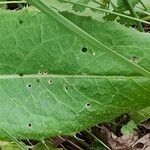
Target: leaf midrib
31, 76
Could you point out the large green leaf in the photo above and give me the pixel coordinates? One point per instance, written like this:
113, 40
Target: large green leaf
53, 82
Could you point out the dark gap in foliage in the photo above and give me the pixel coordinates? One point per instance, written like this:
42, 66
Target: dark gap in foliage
15, 6
144, 128
146, 27
84, 136
78, 136
30, 142
116, 126
70, 143
139, 145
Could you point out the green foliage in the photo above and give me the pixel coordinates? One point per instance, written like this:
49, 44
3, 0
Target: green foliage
54, 82
144, 113
8, 146
104, 10
123, 5
129, 128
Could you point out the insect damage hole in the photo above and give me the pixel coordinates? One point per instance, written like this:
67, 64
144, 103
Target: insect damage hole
84, 49
88, 105
40, 72
21, 74
45, 72
30, 125
66, 88
29, 85
50, 81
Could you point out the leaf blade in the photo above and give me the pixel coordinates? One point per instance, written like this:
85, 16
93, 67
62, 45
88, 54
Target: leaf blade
44, 8
63, 99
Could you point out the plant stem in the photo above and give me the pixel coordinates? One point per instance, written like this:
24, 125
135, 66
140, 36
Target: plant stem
97, 44
142, 11
135, 15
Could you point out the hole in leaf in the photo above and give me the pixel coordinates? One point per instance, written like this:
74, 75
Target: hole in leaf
29, 85
45, 72
88, 105
30, 125
84, 49
21, 21
21, 74
67, 88
49, 81
40, 72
